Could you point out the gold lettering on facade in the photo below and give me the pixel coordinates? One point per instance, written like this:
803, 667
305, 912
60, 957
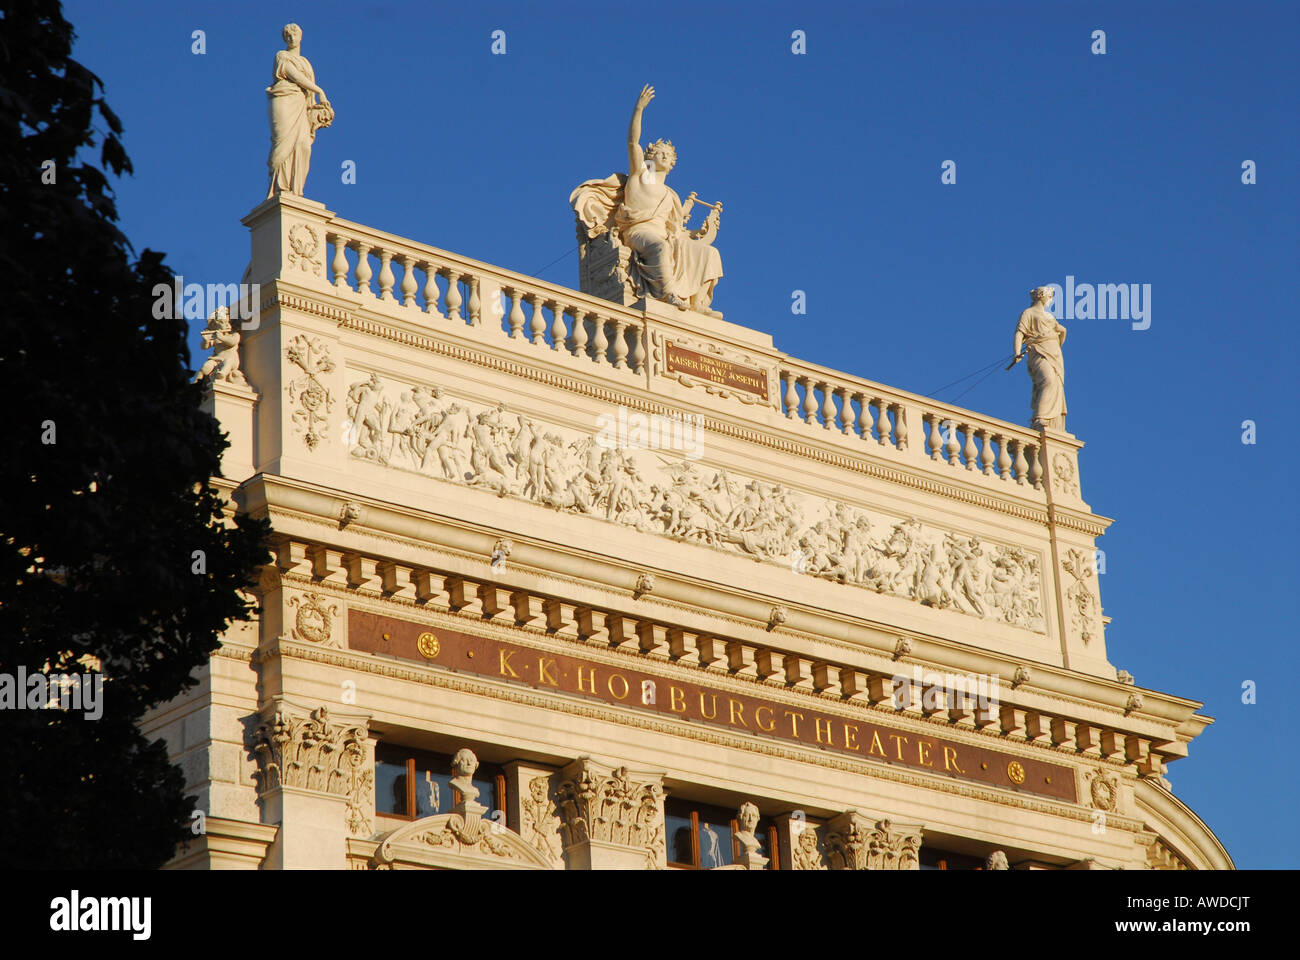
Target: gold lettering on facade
794, 724
737, 709
676, 699
898, 743
950, 759
506, 669
876, 745
544, 667
714, 714
830, 737
610, 684
923, 753
771, 725
591, 679
851, 736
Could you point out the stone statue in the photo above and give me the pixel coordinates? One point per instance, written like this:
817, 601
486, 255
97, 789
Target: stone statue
747, 820
644, 221
223, 339
1042, 337
295, 115
463, 765
997, 860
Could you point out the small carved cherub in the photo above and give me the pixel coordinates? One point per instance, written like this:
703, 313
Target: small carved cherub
221, 337
463, 765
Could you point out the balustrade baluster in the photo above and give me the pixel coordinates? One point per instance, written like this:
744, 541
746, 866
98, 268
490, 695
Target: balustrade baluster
809, 400
559, 333
364, 273
454, 298
882, 421
971, 453
952, 447
431, 289
537, 323
791, 397
639, 354
986, 452
408, 281
340, 263
386, 278
600, 344
1036, 466
900, 426
475, 305
934, 441
578, 338
1004, 457
516, 317
620, 344
828, 407
1021, 465
864, 416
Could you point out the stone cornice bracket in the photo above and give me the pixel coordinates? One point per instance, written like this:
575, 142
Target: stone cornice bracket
609, 817
856, 843
315, 751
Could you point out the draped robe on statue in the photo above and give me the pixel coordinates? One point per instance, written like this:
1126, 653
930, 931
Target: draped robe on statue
648, 217
1042, 336
291, 128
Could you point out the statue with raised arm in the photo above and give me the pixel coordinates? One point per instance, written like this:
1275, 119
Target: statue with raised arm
1041, 338
295, 115
648, 250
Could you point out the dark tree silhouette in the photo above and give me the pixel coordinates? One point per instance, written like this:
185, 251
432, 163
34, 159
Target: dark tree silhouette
105, 458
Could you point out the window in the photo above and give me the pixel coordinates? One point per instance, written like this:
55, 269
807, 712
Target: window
933, 859
703, 837
416, 783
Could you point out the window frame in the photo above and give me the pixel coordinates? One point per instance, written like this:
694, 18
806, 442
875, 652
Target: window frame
410, 755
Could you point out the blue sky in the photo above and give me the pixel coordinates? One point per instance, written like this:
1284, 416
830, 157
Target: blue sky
1116, 168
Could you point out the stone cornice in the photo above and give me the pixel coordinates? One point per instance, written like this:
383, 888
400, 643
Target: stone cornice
1184, 832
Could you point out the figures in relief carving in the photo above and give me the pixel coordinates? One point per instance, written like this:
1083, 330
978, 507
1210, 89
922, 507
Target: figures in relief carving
1041, 337
295, 115
509, 454
639, 210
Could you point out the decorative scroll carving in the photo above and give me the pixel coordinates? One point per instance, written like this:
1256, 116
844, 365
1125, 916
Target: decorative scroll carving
599, 803
1063, 471
419, 429
466, 835
313, 399
857, 844
317, 753
1082, 600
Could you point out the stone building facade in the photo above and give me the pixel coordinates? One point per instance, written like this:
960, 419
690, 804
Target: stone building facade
568, 583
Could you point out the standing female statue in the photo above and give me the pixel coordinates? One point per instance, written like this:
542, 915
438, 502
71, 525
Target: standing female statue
1041, 337
295, 115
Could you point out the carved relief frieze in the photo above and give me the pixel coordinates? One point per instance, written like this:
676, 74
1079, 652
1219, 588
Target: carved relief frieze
423, 430
1084, 606
856, 843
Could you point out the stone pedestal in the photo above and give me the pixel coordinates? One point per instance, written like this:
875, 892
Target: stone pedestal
233, 405
313, 829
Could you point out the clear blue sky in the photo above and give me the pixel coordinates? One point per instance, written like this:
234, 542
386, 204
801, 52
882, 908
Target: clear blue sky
1122, 168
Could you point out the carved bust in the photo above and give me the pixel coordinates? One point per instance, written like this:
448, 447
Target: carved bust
747, 821
463, 766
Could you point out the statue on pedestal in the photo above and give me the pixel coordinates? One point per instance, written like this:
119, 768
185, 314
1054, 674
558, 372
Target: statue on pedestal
633, 235
222, 338
1041, 337
295, 115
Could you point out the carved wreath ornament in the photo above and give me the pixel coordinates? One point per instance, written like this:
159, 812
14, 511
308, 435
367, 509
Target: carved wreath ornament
303, 243
1104, 792
314, 621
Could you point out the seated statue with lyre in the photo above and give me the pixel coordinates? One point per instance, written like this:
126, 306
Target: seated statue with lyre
633, 236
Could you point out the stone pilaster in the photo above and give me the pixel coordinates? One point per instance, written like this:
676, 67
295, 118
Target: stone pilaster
530, 802
800, 843
856, 843
611, 818
315, 773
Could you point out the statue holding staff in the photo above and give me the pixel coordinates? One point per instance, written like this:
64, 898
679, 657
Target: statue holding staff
295, 115
1040, 336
